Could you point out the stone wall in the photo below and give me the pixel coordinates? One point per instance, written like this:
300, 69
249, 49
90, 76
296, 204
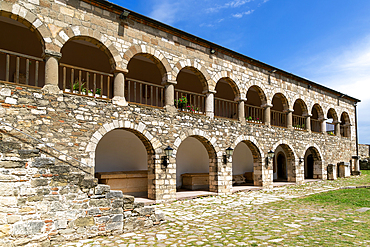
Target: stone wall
363, 150
43, 201
75, 124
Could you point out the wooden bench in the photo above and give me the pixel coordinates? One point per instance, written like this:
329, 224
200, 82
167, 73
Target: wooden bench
133, 183
195, 181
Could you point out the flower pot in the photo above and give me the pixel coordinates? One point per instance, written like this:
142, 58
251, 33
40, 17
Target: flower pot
103, 96
97, 95
75, 91
91, 94
67, 90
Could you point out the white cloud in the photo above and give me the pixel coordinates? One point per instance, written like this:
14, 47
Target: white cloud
232, 4
166, 11
347, 70
240, 15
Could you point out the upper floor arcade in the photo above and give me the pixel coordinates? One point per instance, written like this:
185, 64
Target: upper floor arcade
132, 62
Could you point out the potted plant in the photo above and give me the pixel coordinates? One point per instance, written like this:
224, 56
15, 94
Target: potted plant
249, 119
181, 103
98, 92
91, 92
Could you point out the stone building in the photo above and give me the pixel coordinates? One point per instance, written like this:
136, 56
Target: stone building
104, 91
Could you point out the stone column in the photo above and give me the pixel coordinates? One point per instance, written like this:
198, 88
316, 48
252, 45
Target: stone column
267, 114
119, 87
323, 125
337, 128
169, 95
209, 104
241, 109
289, 118
51, 71
308, 122
355, 161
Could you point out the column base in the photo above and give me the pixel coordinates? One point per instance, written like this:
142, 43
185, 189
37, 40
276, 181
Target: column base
210, 114
170, 108
356, 173
52, 89
119, 100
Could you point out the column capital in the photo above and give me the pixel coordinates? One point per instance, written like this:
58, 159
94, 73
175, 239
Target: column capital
307, 115
336, 122
168, 82
266, 105
322, 119
209, 91
288, 110
240, 99
120, 70
50, 53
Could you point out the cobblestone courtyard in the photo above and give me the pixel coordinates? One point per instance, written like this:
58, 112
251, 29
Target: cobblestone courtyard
256, 218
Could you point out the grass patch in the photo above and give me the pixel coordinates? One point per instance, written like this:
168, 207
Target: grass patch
345, 198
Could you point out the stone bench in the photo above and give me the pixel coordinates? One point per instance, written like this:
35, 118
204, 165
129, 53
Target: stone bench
242, 178
133, 183
195, 181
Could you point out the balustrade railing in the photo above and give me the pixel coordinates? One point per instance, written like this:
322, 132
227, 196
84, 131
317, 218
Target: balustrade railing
254, 114
299, 122
21, 69
144, 93
278, 119
196, 102
84, 81
315, 125
226, 108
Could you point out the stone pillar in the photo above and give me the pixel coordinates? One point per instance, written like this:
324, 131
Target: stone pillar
209, 104
289, 118
263, 173
241, 109
308, 122
267, 114
119, 88
355, 161
51, 71
337, 128
323, 125
169, 95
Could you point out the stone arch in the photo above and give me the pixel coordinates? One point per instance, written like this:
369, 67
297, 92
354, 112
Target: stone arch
231, 79
152, 144
191, 64
302, 105
345, 124
213, 152
319, 110
252, 144
294, 170
96, 38
332, 112
31, 21
153, 54
283, 98
318, 170
261, 93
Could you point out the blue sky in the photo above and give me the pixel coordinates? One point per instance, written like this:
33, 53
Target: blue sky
326, 41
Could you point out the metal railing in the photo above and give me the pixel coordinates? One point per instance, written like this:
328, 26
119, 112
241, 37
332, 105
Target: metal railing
39, 141
196, 102
226, 108
299, 122
84, 81
144, 93
315, 125
278, 118
254, 114
21, 69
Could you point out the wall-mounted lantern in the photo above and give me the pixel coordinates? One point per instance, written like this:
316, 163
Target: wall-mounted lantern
270, 155
229, 152
301, 159
168, 152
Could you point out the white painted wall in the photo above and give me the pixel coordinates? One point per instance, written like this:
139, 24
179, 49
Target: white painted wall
120, 150
192, 157
242, 159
